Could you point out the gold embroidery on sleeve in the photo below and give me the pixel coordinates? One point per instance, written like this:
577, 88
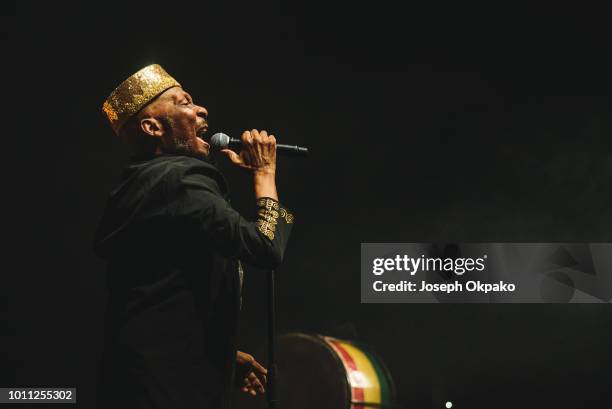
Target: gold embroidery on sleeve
268, 214
286, 215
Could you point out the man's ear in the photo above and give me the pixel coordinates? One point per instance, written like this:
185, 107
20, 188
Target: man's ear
152, 127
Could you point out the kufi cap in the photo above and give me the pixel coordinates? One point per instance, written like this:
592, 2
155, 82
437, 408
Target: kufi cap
136, 92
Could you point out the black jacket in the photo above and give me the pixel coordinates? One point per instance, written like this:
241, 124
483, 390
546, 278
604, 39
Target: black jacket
173, 246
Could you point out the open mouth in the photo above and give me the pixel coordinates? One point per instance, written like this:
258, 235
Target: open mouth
201, 134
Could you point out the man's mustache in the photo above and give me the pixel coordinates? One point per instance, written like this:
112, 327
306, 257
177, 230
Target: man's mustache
202, 124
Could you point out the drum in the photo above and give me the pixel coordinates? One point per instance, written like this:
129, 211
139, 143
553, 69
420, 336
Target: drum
317, 371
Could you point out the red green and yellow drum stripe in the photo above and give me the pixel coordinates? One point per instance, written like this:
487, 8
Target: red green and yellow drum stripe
370, 385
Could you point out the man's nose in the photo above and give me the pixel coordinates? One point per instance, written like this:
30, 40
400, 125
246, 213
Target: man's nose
201, 111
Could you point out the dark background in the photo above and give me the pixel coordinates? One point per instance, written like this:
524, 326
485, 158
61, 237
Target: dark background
427, 121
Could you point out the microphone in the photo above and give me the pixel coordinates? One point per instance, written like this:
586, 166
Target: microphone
222, 141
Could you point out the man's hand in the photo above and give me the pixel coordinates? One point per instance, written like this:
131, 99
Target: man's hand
250, 374
258, 152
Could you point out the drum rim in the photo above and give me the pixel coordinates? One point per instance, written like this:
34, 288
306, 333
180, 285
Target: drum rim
371, 353
364, 347
319, 339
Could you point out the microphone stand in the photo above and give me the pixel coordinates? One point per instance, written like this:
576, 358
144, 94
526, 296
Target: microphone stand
272, 368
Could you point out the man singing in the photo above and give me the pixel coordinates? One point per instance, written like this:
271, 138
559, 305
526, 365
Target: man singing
174, 246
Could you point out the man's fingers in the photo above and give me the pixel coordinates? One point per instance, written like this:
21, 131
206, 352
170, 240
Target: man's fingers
258, 151
255, 134
255, 137
259, 367
256, 382
267, 139
233, 156
243, 357
257, 385
251, 138
247, 138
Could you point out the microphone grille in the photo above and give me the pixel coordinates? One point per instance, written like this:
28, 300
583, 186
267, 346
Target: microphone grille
219, 141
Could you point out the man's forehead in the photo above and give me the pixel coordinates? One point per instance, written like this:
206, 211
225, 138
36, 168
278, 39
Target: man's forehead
173, 93
162, 100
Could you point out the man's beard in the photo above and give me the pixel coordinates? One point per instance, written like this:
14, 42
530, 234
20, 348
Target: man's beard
179, 143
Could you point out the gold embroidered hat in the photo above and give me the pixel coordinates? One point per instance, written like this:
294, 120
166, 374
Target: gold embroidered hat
136, 92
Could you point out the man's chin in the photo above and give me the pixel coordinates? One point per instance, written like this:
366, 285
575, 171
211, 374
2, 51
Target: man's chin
203, 147
201, 153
